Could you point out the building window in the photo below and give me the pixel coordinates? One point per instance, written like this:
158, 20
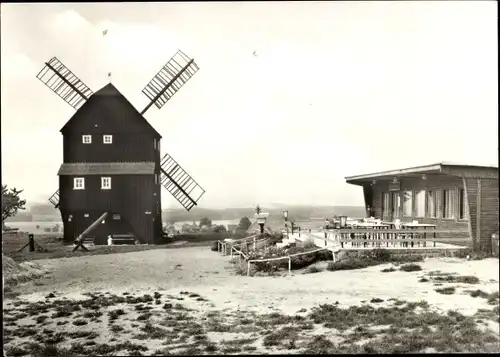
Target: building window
107, 139
395, 205
117, 217
432, 204
420, 203
78, 183
386, 201
105, 183
449, 201
86, 215
407, 203
87, 139
463, 207
156, 179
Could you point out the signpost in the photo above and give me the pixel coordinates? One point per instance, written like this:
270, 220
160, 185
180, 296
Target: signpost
285, 215
261, 219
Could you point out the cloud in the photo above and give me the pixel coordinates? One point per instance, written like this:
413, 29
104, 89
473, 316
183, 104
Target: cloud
18, 66
70, 20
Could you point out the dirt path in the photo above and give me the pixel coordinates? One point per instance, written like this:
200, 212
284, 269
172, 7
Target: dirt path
144, 270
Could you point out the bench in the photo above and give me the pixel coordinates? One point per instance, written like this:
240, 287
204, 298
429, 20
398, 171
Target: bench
87, 240
122, 239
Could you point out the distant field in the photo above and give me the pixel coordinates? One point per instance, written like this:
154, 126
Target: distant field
35, 227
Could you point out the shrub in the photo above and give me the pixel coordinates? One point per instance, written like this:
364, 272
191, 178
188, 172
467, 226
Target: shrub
388, 270
380, 255
410, 267
308, 244
214, 247
298, 262
348, 264
313, 269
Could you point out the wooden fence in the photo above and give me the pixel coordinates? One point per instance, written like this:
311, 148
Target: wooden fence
356, 237
289, 257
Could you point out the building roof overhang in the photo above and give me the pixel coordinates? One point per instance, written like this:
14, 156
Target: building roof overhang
443, 168
110, 168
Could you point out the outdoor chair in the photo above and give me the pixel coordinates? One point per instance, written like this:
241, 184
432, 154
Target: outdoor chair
397, 225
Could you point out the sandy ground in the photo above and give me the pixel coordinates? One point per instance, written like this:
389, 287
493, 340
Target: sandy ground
210, 274
207, 273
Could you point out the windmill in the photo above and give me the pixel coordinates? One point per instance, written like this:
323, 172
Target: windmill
160, 89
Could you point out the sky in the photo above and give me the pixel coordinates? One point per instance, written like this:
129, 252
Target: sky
335, 89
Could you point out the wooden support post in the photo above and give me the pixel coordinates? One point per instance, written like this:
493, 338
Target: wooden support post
232, 248
79, 240
248, 268
31, 241
289, 265
254, 244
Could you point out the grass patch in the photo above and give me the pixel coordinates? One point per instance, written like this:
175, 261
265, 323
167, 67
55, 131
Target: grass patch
319, 345
450, 290
283, 335
410, 267
453, 278
115, 314
80, 322
372, 258
479, 293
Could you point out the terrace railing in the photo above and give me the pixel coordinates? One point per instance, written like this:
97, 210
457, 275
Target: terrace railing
385, 238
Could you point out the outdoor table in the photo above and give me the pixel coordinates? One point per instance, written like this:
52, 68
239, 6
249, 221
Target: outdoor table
419, 225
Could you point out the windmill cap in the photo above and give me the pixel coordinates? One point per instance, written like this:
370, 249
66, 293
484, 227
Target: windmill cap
108, 89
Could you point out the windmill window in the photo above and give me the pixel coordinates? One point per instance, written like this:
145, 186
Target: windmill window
87, 139
78, 183
106, 183
86, 215
117, 217
107, 139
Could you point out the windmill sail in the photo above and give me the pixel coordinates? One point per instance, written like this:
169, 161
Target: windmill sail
178, 70
179, 183
64, 83
54, 199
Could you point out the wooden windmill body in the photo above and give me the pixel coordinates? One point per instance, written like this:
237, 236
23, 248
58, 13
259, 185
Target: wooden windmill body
112, 169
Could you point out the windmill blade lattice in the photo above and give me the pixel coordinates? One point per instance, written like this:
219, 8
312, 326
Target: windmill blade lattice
54, 199
178, 70
64, 83
179, 183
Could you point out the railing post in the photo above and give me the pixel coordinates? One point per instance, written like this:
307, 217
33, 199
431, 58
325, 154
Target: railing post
248, 268
254, 244
289, 265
